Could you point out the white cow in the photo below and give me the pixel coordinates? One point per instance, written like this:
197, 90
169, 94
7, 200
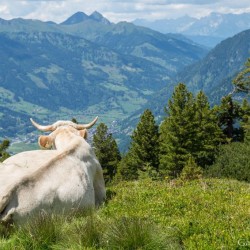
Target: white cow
58, 180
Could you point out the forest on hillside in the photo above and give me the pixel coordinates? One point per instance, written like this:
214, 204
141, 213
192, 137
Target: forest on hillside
192, 140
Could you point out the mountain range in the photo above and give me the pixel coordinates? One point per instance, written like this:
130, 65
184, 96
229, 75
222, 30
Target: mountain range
83, 67
208, 30
88, 66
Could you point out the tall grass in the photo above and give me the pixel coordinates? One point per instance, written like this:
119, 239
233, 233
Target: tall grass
88, 231
41, 232
85, 231
137, 233
202, 214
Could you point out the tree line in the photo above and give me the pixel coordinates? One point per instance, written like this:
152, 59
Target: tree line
192, 136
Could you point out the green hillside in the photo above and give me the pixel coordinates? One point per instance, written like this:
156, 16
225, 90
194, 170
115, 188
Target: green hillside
81, 68
204, 214
52, 76
213, 75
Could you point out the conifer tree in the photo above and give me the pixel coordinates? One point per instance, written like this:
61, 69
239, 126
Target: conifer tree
242, 80
227, 113
107, 151
208, 133
177, 132
245, 118
127, 169
143, 151
191, 170
144, 146
190, 129
230, 116
230, 112
246, 128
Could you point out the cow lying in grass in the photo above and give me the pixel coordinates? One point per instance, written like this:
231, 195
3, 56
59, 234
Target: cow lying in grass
67, 177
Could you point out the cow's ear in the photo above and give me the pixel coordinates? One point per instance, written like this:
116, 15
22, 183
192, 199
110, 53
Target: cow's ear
45, 142
84, 133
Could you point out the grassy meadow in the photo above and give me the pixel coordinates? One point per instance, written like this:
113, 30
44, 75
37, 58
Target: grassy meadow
201, 214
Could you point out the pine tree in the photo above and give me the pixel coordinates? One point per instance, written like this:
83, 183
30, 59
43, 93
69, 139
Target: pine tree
246, 128
107, 151
230, 114
144, 146
143, 151
245, 118
127, 169
208, 133
177, 132
190, 129
229, 111
191, 170
242, 80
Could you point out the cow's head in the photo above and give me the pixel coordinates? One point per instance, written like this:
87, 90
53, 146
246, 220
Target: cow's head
47, 141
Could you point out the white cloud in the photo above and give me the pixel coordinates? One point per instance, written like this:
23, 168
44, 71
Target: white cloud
59, 10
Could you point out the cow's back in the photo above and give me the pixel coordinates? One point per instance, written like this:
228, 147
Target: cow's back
54, 183
31, 159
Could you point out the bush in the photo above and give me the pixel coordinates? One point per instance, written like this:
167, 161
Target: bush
137, 233
232, 162
191, 171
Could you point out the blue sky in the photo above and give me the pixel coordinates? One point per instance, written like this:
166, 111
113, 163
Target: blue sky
115, 11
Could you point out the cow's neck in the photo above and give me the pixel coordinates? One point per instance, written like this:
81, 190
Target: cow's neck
70, 143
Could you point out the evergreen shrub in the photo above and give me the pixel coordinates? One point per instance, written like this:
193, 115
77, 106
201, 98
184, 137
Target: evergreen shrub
233, 161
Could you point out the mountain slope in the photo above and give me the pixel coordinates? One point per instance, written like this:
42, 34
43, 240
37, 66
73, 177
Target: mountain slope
54, 64
215, 24
213, 74
56, 71
84, 67
208, 30
168, 51
79, 17
220, 25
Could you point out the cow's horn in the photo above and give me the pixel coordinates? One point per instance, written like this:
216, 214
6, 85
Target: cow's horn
89, 125
41, 127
